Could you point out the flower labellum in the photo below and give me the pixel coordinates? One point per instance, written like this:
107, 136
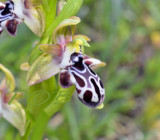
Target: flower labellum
88, 85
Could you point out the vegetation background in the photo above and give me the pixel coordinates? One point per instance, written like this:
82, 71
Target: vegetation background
126, 35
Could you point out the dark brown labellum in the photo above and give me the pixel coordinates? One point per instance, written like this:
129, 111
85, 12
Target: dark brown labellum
11, 26
65, 79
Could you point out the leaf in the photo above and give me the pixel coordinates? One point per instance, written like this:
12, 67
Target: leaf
62, 96
49, 7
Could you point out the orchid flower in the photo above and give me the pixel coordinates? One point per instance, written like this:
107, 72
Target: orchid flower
10, 109
65, 57
14, 12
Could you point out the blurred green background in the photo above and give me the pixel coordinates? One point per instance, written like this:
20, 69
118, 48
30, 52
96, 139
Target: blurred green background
126, 35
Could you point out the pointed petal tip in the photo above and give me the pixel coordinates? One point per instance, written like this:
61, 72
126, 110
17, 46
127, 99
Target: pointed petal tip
93, 62
100, 106
102, 64
32, 81
25, 66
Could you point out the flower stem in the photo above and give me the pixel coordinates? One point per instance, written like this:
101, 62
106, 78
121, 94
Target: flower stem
40, 126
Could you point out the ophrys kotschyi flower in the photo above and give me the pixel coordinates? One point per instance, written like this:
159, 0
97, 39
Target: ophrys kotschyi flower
65, 57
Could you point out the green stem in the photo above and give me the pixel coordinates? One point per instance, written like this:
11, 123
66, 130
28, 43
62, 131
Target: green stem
36, 129
27, 134
40, 126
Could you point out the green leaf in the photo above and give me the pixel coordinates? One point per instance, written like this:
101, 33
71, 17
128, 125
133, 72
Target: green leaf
73, 123
62, 96
40, 126
49, 7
